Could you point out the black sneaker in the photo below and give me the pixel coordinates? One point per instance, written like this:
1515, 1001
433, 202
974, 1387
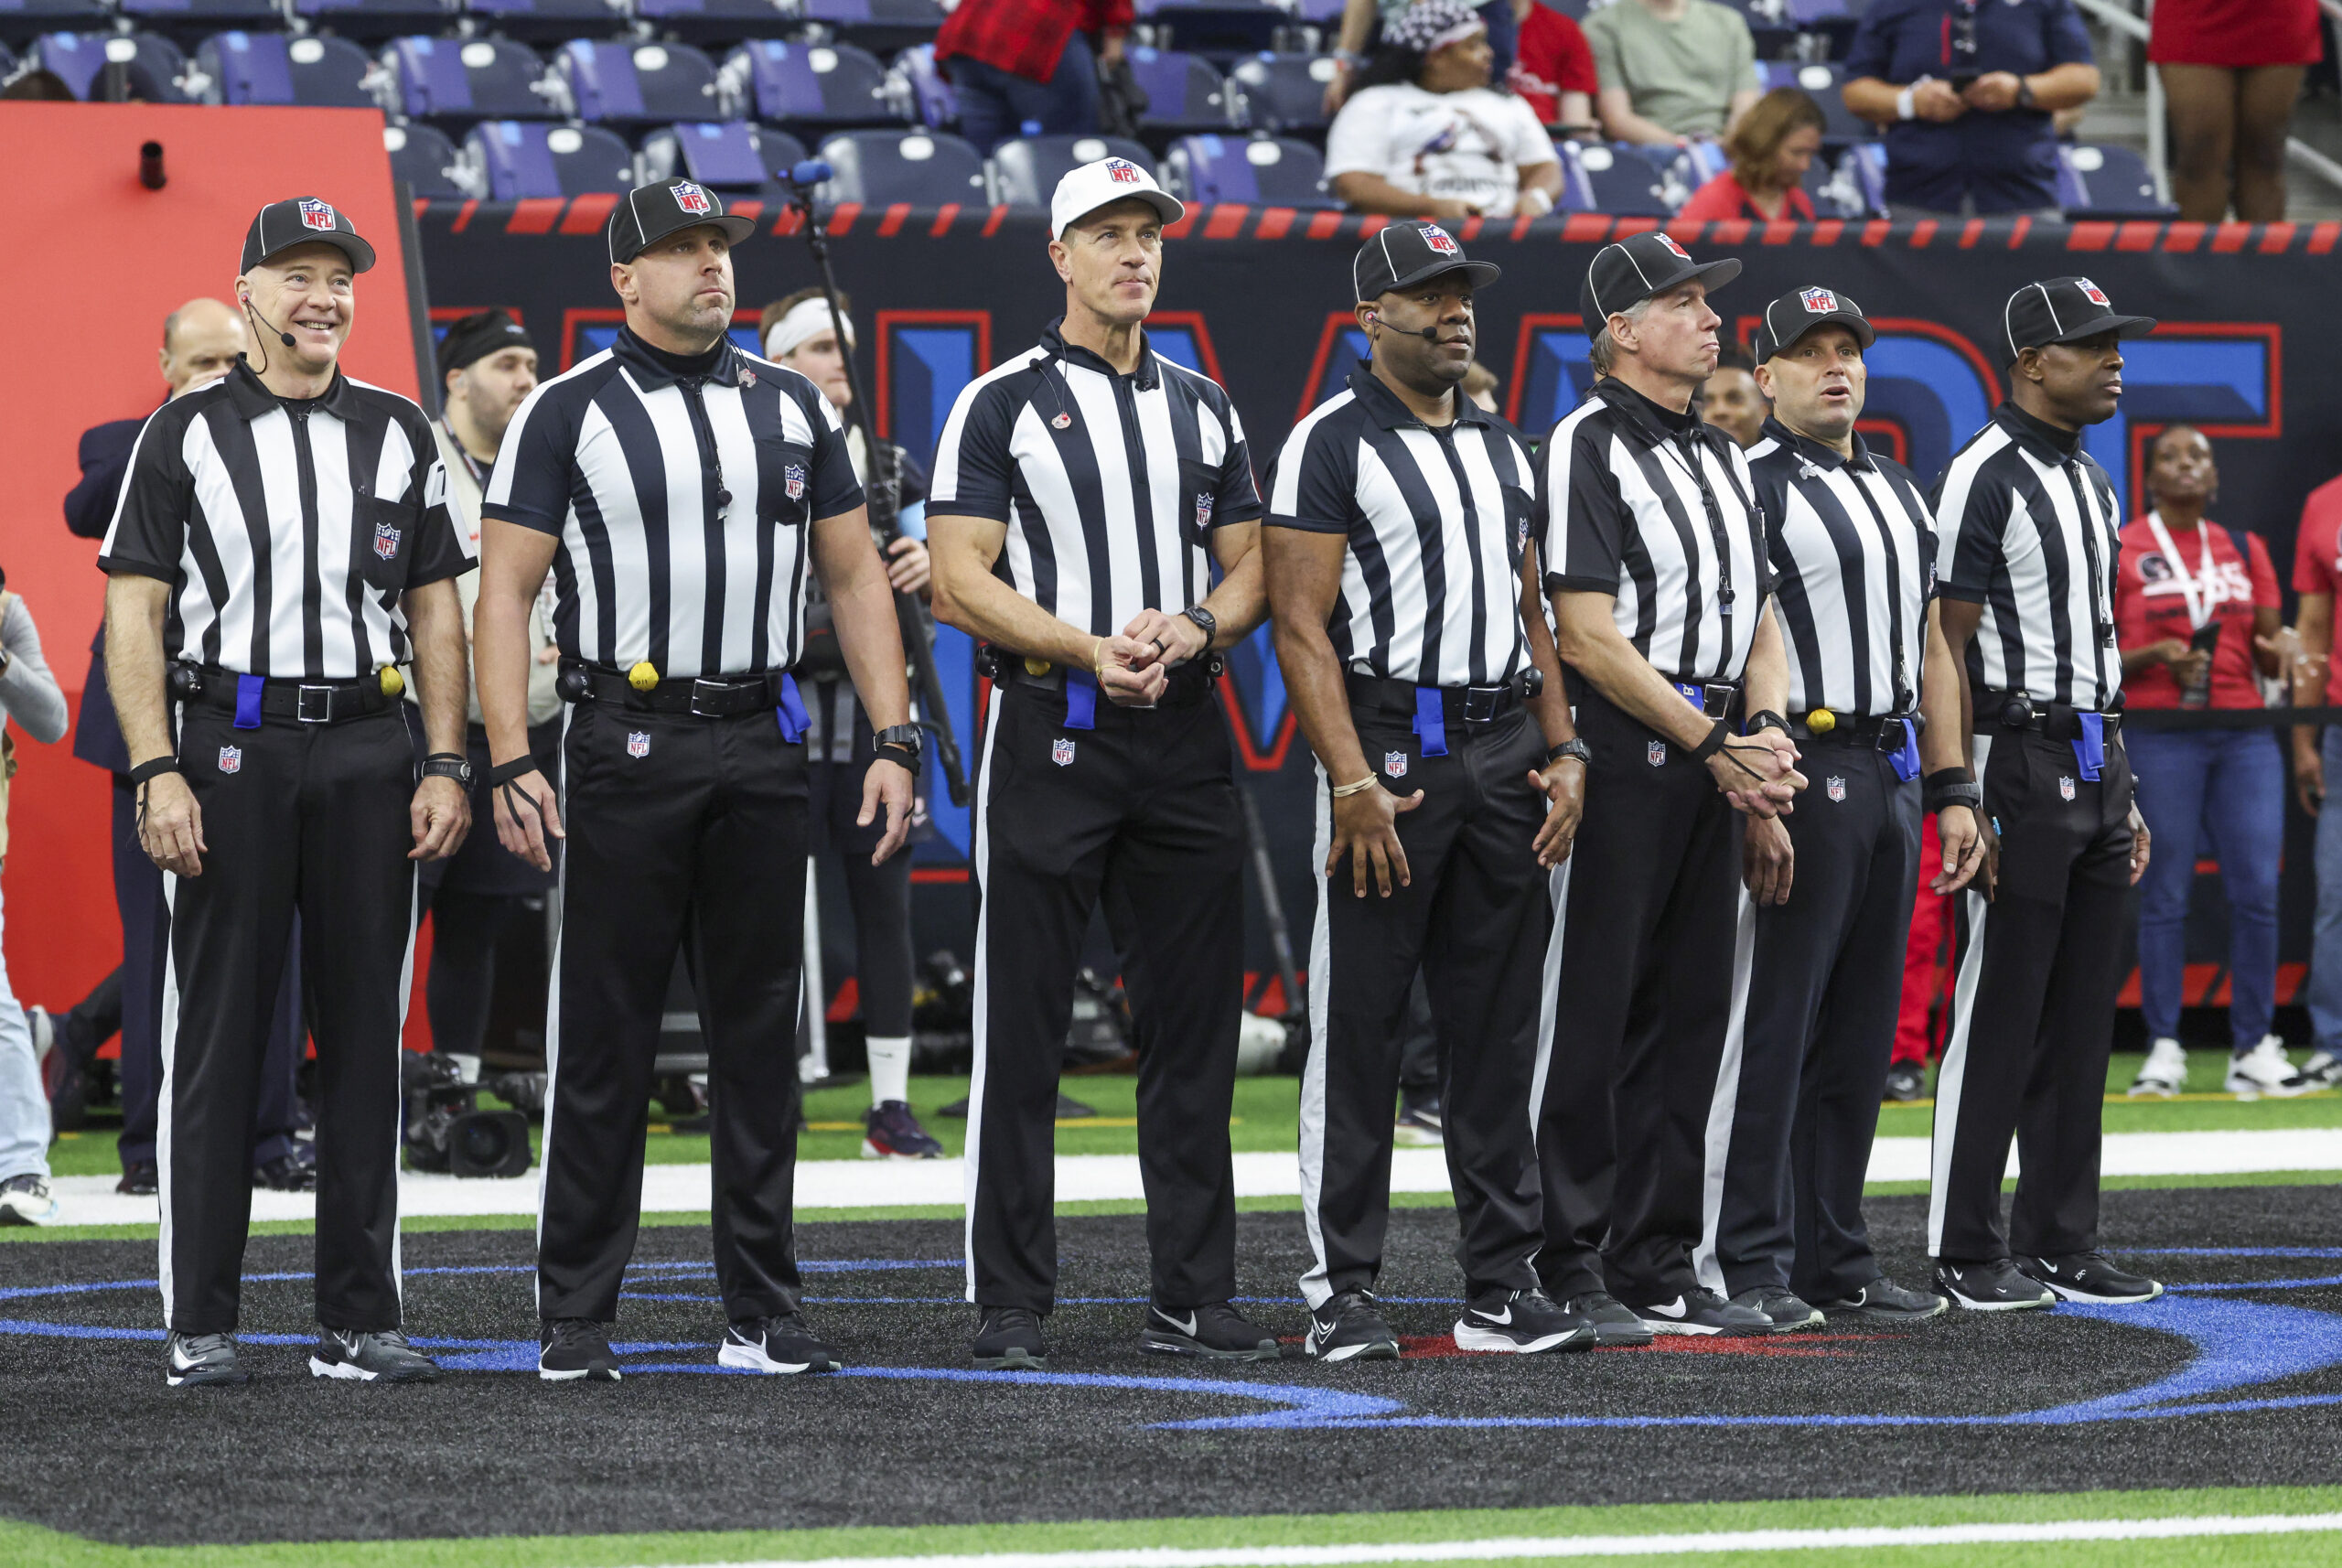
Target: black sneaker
781, 1344
1701, 1312
1216, 1331
1786, 1310
1614, 1324
384, 1356
1883, 1301
890, 1132
196, 1358
1905, 1081
1523, 1322
140, 1177
1349, 1327
576, 1348
1008, 1339
294, 1172
1993, 1286
2090, 1276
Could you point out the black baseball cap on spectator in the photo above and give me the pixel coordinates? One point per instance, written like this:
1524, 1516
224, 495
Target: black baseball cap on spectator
2065, 310
1402, 255
479, 335
1801, 310
651, 213
1639, 267
281, 225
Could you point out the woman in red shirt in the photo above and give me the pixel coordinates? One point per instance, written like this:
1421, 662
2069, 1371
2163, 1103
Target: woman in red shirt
2196, 609
1553, 68
2231, 69
1771, 148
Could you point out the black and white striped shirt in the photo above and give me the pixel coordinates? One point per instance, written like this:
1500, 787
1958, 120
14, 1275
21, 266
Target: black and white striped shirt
1854, 556
1652, 506
683, 491
287, 528
2028, 529
1437, 521
1111, 485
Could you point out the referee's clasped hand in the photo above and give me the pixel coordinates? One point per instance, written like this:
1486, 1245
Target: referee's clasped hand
1164, 639
170, 825
527, 819
1758, 774
1366, 828
888, 784
441, 815
1129, 671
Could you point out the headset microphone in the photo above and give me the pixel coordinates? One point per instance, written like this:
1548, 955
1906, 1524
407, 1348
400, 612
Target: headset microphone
285, 337
1428, 334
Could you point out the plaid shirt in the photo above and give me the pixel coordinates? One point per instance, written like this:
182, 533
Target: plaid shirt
1024, 38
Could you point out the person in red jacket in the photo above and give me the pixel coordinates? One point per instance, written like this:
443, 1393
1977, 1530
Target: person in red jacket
1015, 64
1770, 148
1554, 68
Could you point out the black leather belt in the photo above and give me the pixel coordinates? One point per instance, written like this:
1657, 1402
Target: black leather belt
300, 702
720, 697
2000, 712
1458, 705
1881, 732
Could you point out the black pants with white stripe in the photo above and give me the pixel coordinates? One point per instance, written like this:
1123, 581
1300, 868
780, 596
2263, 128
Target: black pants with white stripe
1642, 968
1796, 1101
2033, 1006
684, 834
1473, 919
308, 818
1142, 812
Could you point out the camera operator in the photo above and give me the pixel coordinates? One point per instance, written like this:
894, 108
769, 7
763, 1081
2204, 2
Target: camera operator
800, 332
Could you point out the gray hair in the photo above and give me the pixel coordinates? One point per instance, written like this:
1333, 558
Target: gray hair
1603, 351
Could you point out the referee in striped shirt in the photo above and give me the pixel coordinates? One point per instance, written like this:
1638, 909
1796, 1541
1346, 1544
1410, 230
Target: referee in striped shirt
282, 544
1870, 688
680, 491
2030, 538
1411, 633
1654, 554
1081, 492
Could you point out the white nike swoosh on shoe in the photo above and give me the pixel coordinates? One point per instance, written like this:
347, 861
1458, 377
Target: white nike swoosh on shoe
1499, 1318
1187, 1328
1670, 1309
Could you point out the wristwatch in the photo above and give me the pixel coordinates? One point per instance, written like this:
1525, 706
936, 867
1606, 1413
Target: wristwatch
1575, 747
904, 738
1765, 718
1206, 622
448, 765
1952, 787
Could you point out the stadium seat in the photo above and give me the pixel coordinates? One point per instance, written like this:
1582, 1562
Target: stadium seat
459, 79
7, 62
183, 14
269, 68
1220, 26
377, 21
919, 91
425, 159
1866, 163
814, 85
1836, 187
1769, 24
545, 19
876, 24
1599, 179
517, 158
25, 18
737, 157
2107, 182
1319, 14
1825, 84
1183, 91
1282, 92
1264, 170
881, 168
635, 83
1026, 169
153, 65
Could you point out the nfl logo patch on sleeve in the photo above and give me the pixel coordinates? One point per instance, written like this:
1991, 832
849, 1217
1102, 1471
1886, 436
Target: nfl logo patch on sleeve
637, 743
386, 542
792, 479
232, 760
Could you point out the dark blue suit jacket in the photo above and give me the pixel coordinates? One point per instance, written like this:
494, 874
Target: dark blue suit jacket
89, 512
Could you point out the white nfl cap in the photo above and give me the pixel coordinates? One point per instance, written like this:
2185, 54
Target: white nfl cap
1092, 186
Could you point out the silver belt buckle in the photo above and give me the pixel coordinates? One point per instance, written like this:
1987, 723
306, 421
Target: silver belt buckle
1480, 704
709, 689
313, 704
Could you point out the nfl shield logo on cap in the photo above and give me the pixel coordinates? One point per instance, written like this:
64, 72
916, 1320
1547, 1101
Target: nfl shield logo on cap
316, 214
231, 758
1121, 172
2093, 293
691, 198
1818, 301
1669, 240
1440, 241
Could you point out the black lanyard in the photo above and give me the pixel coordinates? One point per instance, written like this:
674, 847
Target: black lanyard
1718, 535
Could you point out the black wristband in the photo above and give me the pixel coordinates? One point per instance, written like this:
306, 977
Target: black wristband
503, 773
447, 756
1765, 718
159, 765
1943, 776
1714, 744
900, 754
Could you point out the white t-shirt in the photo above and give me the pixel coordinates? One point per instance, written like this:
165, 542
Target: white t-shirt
1468, 146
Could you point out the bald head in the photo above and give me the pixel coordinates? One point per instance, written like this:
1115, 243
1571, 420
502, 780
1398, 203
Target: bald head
201, 341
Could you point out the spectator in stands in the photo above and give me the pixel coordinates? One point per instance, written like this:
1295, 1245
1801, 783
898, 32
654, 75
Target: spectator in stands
1424, 136
1361, 31
28, 698
1024, 68
2196, 609
2232, 71
1671, 70
1770, 148
1730, 401
2317, 752
1554, 68
1966, 90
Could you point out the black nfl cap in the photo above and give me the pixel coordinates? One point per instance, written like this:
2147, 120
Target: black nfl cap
304, 220
479, 335
1801, 310
2065, 310
1639, 267
651, 213
1402, 255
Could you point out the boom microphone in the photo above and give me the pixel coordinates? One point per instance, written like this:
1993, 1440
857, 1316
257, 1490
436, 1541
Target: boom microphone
264, 321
